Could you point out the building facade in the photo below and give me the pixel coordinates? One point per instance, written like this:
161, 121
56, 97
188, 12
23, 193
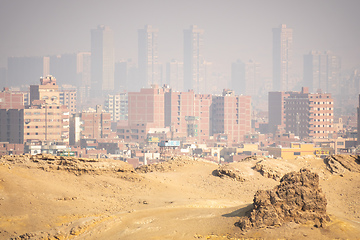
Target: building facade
322, 71
282, 58
68, 97
245, 77
11, 100
149, 71
175, 75
147, 107
309, 115
117, 106
193, 59
95, 125
102, 61
276, 108
231, 115
83, 74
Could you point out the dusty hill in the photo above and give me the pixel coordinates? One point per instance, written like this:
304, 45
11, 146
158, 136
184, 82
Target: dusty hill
46, 197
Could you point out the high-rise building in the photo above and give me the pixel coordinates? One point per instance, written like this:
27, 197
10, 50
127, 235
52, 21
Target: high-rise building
322, 71
68, 97
309, 115
102, 61
231, 115
282, 58
132, 78
48, 91
95, 124
175, 75
11, 116
3, 77
12, 125
238, 77
193, 59
178, 107
147, 107
245, 77
149, 71
45, 118
276, 109
64, 67
83, 72
117, 106
121, 76
22, 70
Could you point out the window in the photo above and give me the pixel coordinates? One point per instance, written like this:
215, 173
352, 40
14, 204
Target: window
296, 153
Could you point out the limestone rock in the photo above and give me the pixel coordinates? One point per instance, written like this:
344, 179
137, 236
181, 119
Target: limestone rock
297, 199
227, 171
74, 165
273, 168
339, 164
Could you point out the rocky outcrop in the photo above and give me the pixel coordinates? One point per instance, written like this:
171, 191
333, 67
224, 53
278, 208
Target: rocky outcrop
339, 164
167, 166
273, 168
227, 171
297, 199
77, 166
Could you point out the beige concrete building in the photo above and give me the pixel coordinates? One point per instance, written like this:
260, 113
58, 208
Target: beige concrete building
46, 119
46, 122
48, 91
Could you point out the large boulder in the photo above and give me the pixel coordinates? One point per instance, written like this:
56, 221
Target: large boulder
297, 199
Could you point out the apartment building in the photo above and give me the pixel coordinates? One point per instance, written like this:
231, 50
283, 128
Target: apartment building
117, 106
231, 115
309, 115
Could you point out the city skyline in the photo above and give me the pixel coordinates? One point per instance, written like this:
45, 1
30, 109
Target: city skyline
235, 30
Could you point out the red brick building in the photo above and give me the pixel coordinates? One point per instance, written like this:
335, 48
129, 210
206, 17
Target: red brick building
95, 125
231, 115
188, 114
11, 100
147, 107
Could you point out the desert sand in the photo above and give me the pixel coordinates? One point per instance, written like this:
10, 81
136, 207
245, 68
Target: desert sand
44, 197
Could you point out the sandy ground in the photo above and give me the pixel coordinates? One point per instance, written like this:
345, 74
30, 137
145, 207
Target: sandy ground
184, 202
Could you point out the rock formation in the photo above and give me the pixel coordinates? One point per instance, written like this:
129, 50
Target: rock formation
227, 171
77, 166
339, 164
273, 168
297, 199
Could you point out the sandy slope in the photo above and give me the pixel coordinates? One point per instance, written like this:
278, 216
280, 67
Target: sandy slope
184, 201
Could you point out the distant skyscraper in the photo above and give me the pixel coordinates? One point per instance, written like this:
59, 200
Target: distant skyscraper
83, 72
175, 75
3, 77
238, 77
64, 68
209, 85
102, 60
26, 70
245, 77
149, 71
322, 71
282, 58
193, 59
121, 79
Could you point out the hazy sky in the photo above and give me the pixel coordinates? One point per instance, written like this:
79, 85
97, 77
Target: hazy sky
233, 29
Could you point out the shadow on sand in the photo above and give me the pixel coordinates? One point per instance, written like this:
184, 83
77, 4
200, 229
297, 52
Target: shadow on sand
242, 212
